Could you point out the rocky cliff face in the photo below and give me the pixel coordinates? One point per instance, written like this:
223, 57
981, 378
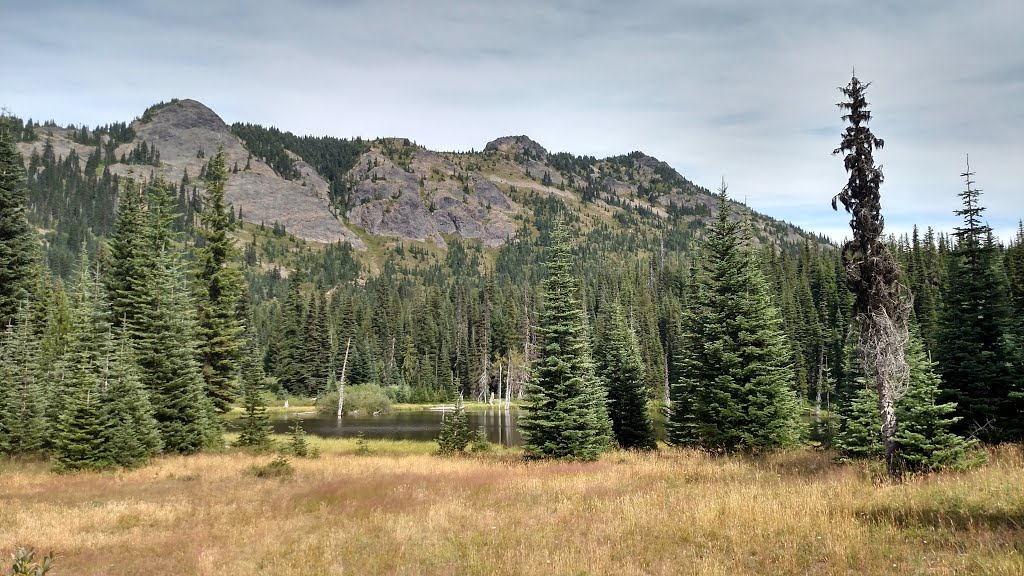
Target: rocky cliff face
425, 197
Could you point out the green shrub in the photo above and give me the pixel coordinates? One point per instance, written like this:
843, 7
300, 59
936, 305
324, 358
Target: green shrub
24, 563
479, 442
363, 398
454, 434
362, 446
279, 467
297, 444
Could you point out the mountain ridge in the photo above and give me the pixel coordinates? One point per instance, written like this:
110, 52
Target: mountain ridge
395, 189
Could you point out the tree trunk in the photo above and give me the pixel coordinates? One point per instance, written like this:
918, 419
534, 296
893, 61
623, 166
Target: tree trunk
341, 382
668, 389
817, 395
887, 407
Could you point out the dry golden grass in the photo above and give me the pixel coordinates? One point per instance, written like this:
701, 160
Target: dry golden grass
407, 512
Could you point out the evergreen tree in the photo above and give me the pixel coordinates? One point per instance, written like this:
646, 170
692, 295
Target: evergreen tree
1015, 273
976, 354
925, 440
23, 427
131, 257
882, 303
218, 280
297, 444
17, 247
288, 346
735, 387
82, 431
620, 369
134, 437
567, 417
316, 352
454, 436
255, 432
166, 354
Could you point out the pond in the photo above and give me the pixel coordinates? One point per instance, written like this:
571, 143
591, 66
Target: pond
500, 425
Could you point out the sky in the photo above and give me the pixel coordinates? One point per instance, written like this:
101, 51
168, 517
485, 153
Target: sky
740, 91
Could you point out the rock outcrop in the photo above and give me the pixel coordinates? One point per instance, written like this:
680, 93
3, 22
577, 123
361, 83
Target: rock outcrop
425, 198
187, 134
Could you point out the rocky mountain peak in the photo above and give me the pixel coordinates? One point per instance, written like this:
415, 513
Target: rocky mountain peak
183, 115
518, 145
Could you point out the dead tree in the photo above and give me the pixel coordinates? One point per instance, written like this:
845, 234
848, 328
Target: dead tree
882, 304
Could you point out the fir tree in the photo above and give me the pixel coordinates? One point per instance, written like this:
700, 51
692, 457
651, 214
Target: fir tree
288, 346
976, 354
316, 351
297, 444
166, 354
218, 280
255, 432
925, 440
134, 436
131, 257
17, 249
620, 369
735, 387
23, 426
454, 436
1015, 273
568, 417
82, 431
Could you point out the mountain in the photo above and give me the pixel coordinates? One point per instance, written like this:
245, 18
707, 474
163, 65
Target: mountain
186, 133
328, 190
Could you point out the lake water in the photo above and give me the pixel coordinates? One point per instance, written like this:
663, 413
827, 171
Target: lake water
499, 424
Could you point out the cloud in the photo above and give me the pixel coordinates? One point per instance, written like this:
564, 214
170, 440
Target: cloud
744, 89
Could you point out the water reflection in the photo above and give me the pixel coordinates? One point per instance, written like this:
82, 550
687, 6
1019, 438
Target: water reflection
499, 425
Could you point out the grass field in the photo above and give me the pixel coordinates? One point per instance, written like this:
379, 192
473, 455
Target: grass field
401, 510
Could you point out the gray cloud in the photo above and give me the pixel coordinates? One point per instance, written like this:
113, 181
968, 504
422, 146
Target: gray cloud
744, 90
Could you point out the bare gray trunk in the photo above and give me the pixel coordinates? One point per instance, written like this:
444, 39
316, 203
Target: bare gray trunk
341, 382
668, 397
887, 407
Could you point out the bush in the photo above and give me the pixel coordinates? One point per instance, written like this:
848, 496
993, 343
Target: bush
479, 442
365, 398
454, 434
362, 446
279, 467
25, 564
297, 445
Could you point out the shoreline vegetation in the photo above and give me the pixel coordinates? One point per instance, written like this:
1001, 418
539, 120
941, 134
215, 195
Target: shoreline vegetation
673, 511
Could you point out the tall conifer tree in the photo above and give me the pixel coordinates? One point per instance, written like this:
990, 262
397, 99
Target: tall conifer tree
568, 417
134, 436
17, 249
976, 353
166, 354
82, 431
218, 281
22, 402
735, 386
622, 372
882, 304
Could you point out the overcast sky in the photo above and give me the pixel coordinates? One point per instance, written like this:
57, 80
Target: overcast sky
742, 90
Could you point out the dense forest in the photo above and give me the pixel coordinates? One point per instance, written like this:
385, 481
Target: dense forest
136, 313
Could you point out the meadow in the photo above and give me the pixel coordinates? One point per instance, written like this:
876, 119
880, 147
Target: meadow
402, 510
